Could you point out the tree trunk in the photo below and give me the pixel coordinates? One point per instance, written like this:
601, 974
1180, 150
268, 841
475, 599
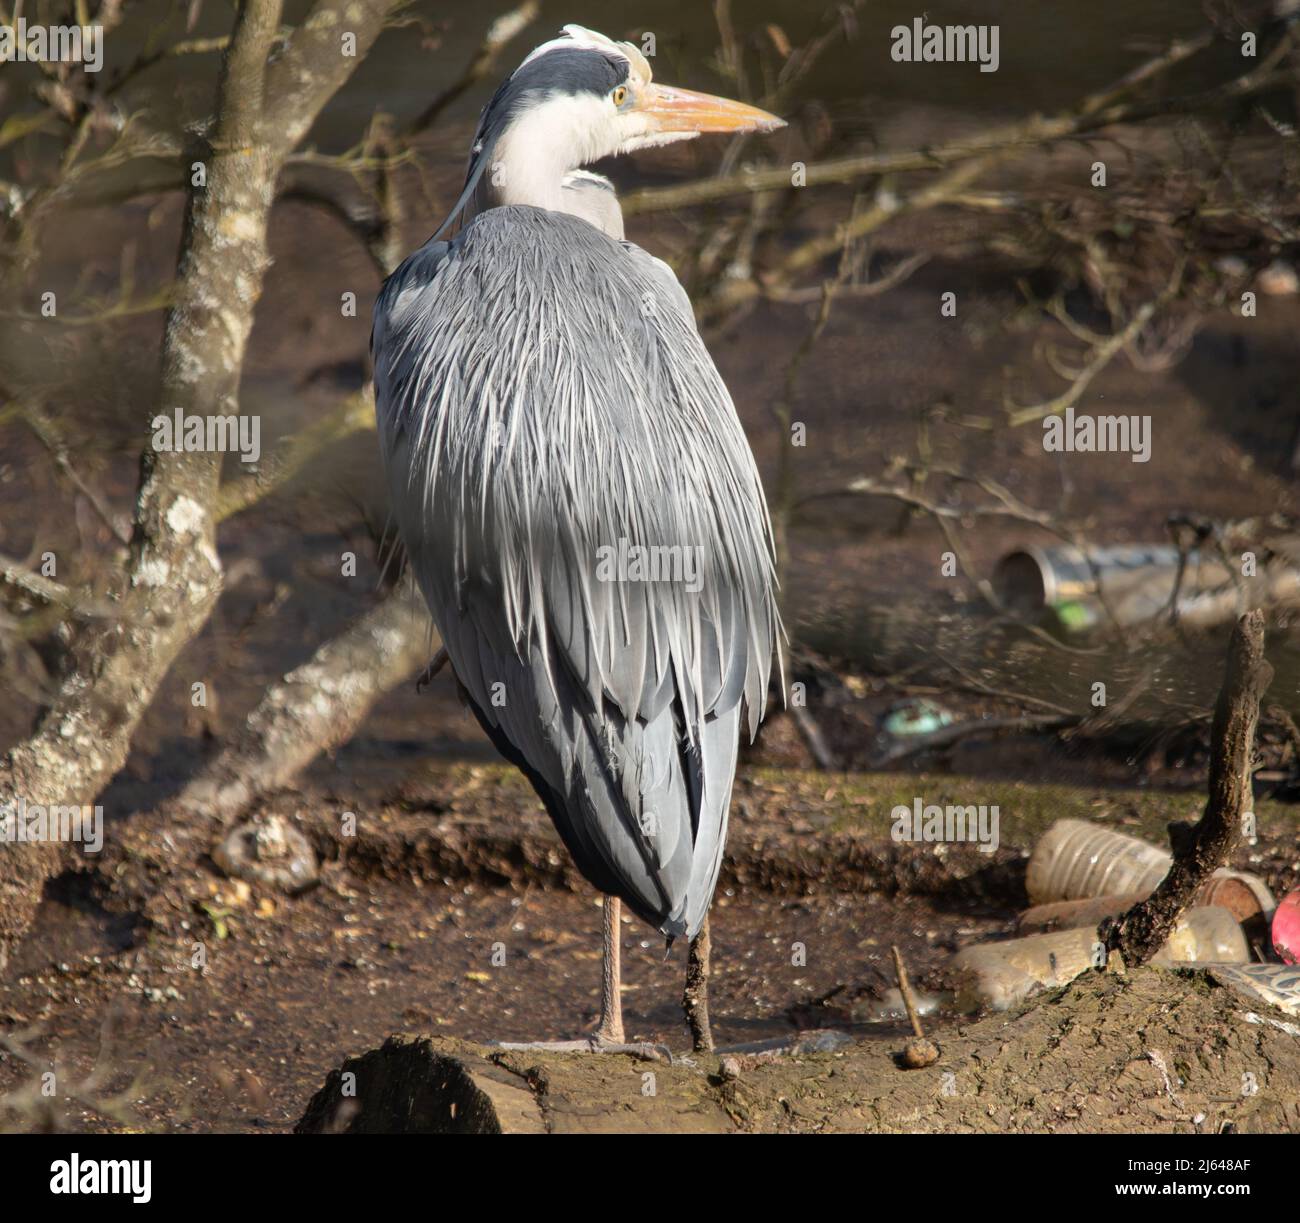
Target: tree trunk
174, 574
1139, 933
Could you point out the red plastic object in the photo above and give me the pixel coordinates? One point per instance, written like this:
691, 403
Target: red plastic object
1286, 929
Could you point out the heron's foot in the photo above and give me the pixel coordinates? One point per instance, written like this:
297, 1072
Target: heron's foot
814, 1040
595, 1043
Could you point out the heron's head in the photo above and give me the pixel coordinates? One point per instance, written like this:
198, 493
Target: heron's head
588, 97
582, 97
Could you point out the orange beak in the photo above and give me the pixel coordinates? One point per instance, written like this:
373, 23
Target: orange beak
684, 110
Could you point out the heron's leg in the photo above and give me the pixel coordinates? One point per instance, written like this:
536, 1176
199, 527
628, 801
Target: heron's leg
695, 998
608, 1036
695, 1002
610, 1028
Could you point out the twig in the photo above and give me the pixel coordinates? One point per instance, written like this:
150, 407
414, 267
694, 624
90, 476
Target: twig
905, 988
78, 602
500, 32
354, 414
813, 737
870, 288
191, 46
1103, 354
976, 685
122, 308
918, 1052
45, 429
119, 1108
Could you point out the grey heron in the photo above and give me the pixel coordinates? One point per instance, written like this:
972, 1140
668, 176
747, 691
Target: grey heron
576, 496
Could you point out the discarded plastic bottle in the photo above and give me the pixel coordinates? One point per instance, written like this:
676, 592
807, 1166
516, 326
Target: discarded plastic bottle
1076, 860
998, 975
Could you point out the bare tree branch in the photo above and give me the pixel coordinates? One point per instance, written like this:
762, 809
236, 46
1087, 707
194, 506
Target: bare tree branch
315, 707
499, 34
354, 414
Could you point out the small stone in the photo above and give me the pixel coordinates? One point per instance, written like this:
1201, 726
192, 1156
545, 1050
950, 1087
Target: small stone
270, 852
729, 1068
919, 1053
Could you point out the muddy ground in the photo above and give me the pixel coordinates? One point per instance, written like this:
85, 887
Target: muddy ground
457, 863
1147, 1051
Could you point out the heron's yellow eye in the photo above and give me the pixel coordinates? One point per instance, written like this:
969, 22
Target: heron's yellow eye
619, 95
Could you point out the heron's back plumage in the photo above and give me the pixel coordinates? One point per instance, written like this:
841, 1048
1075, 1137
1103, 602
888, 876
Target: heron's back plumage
546, 410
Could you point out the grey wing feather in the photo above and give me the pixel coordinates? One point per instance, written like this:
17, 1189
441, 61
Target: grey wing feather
546, 407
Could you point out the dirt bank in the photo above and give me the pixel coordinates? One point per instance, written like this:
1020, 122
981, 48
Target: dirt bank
1151, 1051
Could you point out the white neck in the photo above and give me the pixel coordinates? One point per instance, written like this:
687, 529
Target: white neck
546, 142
